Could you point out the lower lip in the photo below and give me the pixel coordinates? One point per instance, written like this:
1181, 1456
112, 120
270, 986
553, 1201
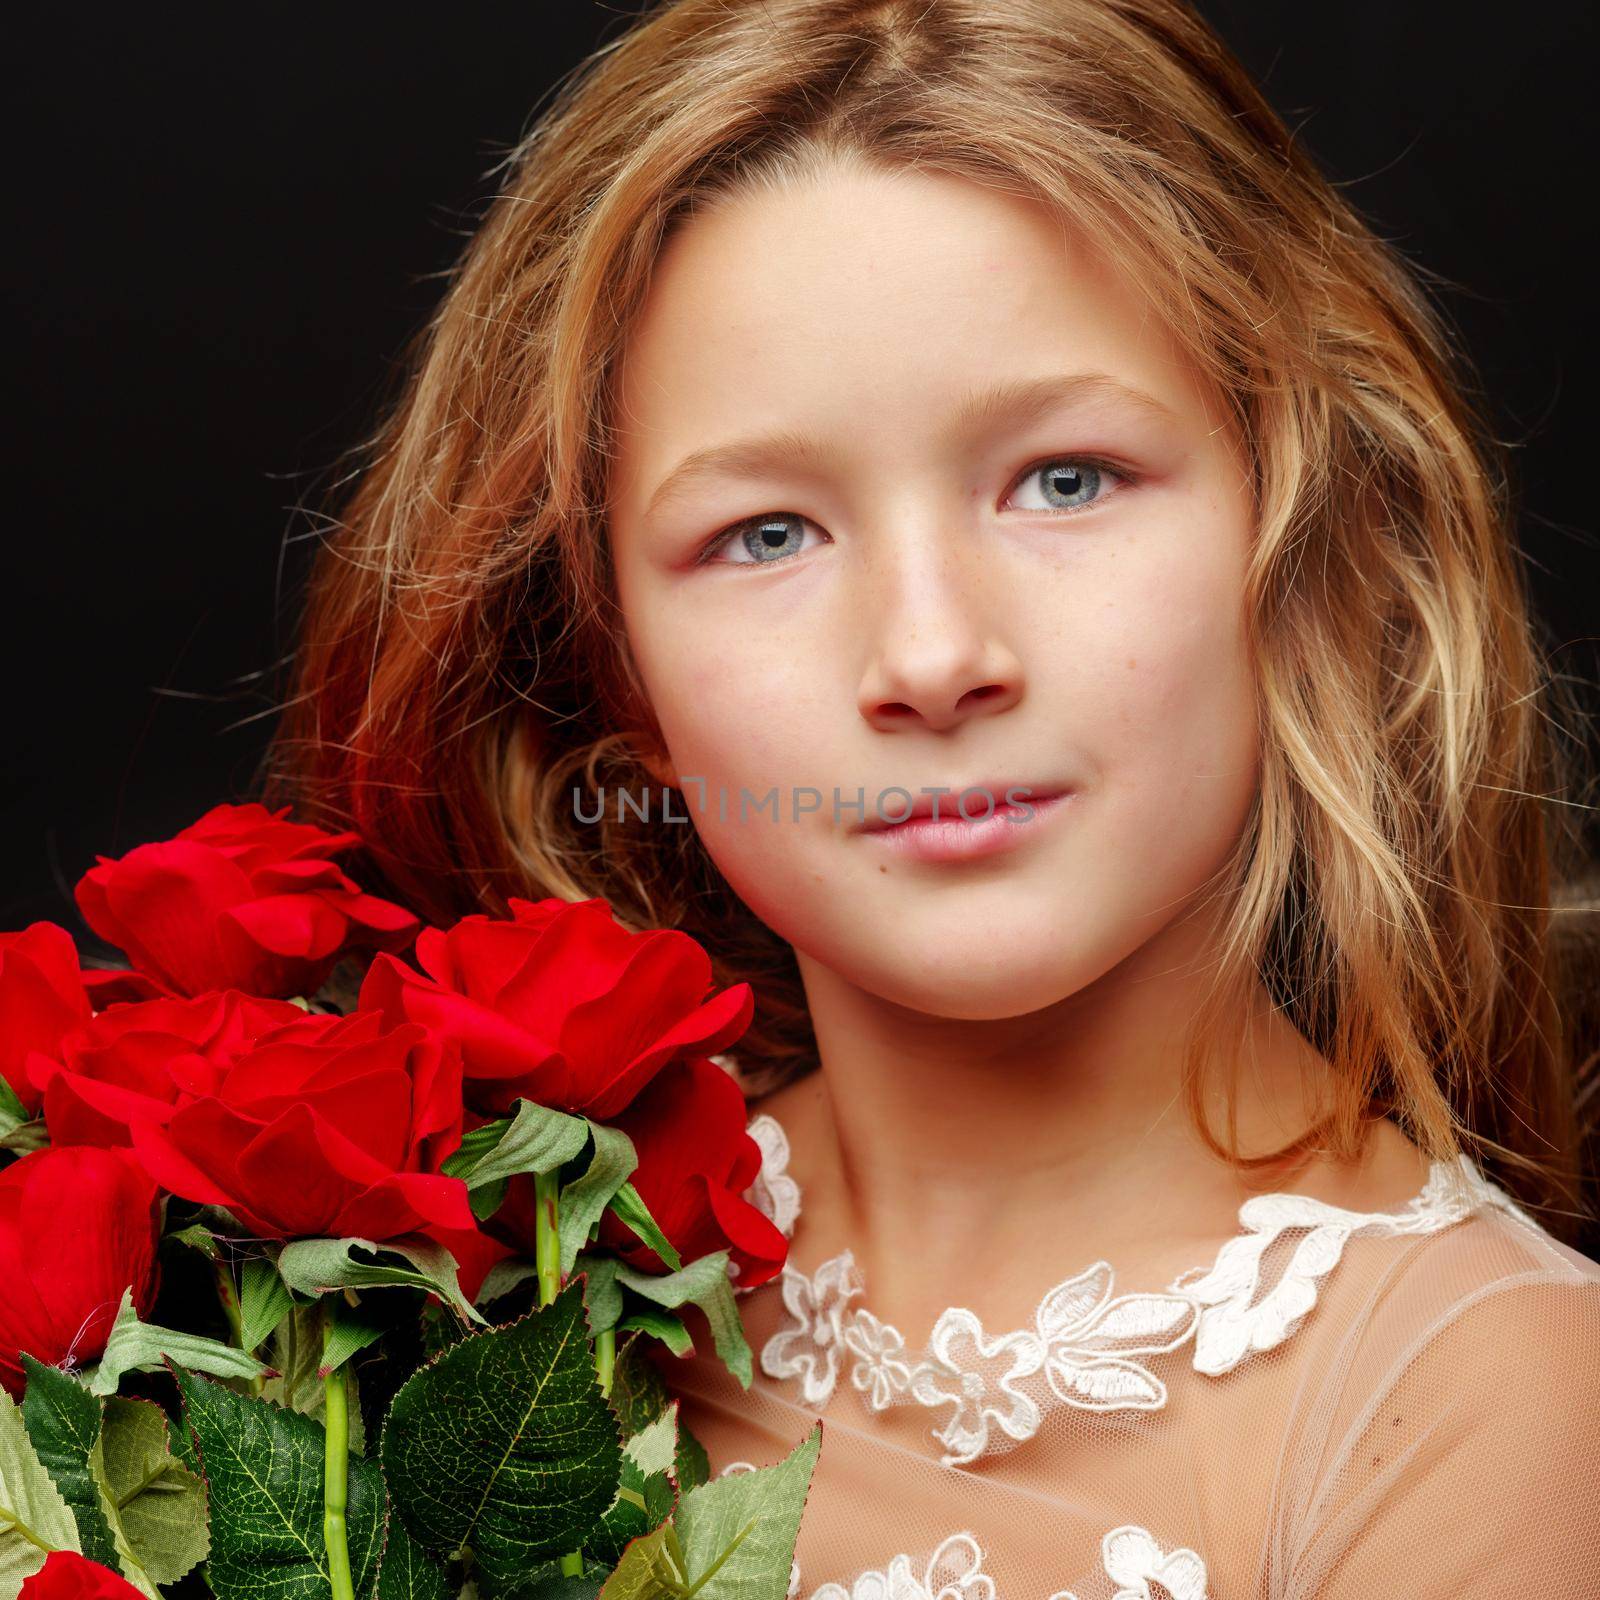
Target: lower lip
953, 838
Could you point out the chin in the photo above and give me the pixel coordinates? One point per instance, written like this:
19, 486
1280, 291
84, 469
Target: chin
1008, 977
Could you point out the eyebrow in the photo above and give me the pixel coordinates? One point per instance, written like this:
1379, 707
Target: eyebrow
1019, 402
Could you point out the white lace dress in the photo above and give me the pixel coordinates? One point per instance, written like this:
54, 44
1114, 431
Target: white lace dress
1339, 1404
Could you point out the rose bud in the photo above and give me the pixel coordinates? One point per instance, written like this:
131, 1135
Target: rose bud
77, 1227
41, 998
560, 1004
241, 899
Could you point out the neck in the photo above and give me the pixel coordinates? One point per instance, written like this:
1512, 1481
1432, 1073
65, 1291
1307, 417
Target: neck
981, 1133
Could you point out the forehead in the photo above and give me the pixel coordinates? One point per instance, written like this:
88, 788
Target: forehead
865, 308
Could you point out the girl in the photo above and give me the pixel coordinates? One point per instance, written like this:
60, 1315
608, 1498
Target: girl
1178, 1156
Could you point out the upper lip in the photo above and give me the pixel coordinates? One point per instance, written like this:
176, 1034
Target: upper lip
950, 797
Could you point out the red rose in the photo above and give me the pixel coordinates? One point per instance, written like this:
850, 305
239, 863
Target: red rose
695, 1162
241, 899
66, 1575
137, 1062
41, 998
326, 1127
561, 1005
77, 1227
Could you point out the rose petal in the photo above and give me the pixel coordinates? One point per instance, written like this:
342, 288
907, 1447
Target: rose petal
287, 1181
160, 903
406, 1202
300, 927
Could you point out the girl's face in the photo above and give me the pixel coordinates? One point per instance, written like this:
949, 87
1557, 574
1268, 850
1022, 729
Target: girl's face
962, 515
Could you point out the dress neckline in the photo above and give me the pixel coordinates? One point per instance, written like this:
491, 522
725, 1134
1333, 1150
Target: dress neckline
1088, 1347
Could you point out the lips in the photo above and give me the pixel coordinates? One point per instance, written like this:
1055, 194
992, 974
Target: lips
981, 797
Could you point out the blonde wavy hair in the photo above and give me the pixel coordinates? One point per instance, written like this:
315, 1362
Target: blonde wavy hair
462, 666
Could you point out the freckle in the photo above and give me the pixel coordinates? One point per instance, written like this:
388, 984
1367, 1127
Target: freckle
1375, 1460
1132, 663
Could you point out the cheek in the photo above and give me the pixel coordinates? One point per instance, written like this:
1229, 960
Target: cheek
742, 712
1177, 759
736, 716
742, 717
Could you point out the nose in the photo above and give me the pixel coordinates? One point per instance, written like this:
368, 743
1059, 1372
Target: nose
937, 657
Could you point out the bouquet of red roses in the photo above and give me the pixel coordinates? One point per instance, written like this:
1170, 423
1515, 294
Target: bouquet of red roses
513, 1147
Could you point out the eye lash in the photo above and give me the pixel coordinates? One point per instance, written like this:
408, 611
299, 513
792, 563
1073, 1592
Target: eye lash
717, 540
1126, 475
1128, 478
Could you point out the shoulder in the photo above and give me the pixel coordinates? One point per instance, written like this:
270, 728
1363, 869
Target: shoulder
1465, 1437
1480, 1283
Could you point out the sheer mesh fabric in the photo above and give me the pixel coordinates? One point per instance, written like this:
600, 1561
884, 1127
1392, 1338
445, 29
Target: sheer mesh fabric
1423, 1418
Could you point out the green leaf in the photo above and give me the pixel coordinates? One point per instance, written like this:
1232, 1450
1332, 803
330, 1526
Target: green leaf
197, 1236
646, 1495
533, 1448
535, 1139
738, 1533
655, 1446
297, 1354
644, 1501
660, 1325
136, 1346
157, 1503
502, 1278
692, 1466
707, 1284
317, 1266
17, 1132
34, 1519
639, 1397
601, 1296
264, 1301
439, 1329
647, 1570
487, 1199
631, 1210
12, 1112
584, 1199
263, 1468
350, 1330
407, 1571
63, 1421
548, 1582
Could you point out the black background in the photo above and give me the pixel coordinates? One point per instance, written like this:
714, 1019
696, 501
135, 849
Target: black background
223, 238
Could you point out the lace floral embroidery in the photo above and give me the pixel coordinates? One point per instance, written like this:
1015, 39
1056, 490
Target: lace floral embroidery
1133, 1561
1233, 1322
1130, 1555
1087, 1345
809, 1348
774, 1192
953, 1572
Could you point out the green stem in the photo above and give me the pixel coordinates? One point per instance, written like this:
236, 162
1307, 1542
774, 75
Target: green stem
336, 1483
547, 1235
605, 1357
547, 1262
